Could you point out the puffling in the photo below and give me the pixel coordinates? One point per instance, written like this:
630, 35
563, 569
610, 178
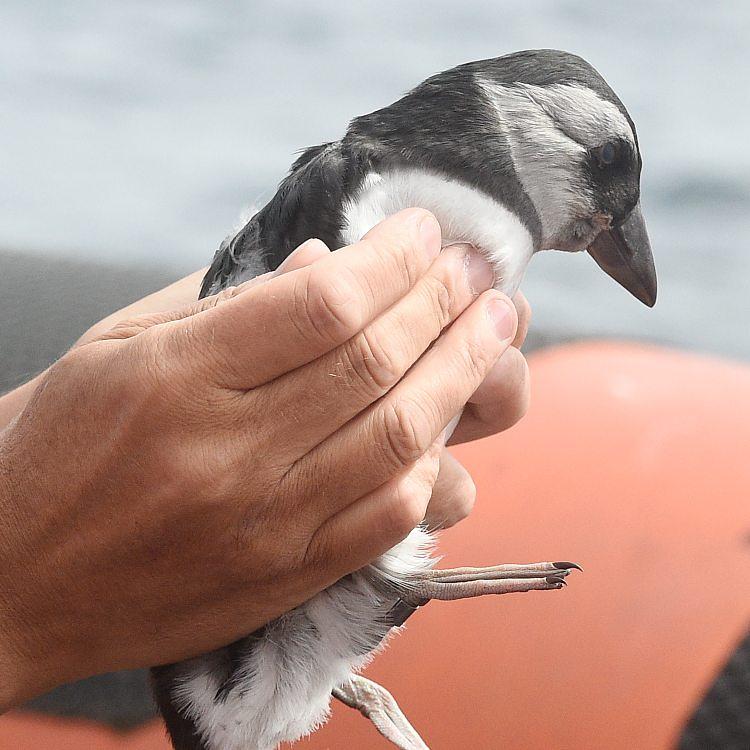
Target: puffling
516, 154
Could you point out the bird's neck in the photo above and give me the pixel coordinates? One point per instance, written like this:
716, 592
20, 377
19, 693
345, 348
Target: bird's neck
465, 214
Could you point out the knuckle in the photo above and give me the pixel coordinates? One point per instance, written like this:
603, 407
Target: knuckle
441, 299
519, 396
226, 294
164, 361
453, 497
477, 359
395, 247
408, 264
317, 551
215, 466
409, 506
407, 429
163, 375
185, 474
327, 307
464, 498
375, 367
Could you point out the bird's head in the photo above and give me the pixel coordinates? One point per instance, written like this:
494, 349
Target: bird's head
575, 152
541, 132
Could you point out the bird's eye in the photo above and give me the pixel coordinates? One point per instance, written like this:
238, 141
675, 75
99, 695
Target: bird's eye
606, 154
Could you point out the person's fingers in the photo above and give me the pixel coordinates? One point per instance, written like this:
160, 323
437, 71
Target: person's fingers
308, 252
523, 309
182, 292
503, 398
394, 432
362, 370
293, 319
453, 495
126, 327
499, 402
372, 525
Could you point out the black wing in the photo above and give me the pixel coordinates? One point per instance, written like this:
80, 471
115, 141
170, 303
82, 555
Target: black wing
308, 203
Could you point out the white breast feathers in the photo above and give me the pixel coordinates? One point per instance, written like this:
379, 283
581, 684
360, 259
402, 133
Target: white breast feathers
465, 214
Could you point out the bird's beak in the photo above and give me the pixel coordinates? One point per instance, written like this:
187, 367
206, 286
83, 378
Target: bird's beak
624, 253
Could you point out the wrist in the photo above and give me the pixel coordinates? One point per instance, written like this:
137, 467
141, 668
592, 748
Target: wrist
14, 687
16, 667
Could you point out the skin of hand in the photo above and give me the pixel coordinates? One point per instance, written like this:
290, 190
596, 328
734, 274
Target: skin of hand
177, 482
499, 402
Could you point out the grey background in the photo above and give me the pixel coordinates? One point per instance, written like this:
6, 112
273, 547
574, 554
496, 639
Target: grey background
133, 134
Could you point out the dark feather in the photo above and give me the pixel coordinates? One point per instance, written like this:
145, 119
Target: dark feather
308, 203
182, 731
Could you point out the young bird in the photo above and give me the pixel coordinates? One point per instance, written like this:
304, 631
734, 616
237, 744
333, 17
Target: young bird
516, 154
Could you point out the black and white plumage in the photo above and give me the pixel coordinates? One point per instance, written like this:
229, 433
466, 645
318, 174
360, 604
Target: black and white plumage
513, 155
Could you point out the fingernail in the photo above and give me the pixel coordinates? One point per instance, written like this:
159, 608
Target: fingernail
306, 246
479, 273
430, 235
502, 318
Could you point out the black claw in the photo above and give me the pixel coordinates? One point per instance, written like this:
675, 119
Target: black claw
555, 580
567, 566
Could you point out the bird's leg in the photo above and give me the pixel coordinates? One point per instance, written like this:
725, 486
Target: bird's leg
375, 703
463, 583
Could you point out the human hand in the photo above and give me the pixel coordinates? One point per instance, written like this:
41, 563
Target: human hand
177, 483
176, 296
499, 402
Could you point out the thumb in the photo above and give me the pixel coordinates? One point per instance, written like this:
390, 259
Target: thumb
307, 253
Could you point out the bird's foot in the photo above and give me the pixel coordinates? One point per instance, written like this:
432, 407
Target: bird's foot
375, 703
463, 583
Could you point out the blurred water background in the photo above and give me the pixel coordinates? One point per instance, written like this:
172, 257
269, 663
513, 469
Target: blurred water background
134, 133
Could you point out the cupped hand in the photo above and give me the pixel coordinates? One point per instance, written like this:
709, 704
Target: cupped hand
176, 483
499, 402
